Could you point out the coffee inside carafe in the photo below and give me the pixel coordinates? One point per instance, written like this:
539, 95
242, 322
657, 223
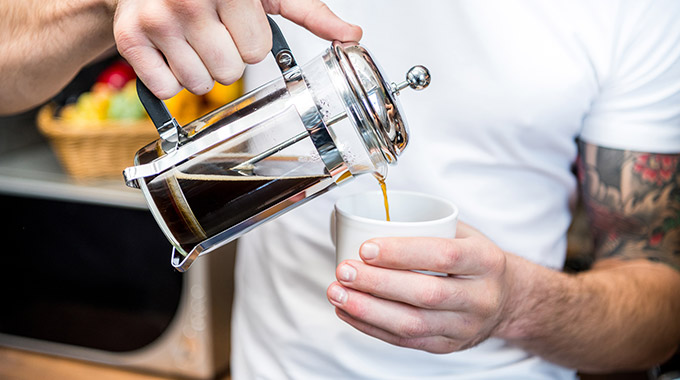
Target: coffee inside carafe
213, 197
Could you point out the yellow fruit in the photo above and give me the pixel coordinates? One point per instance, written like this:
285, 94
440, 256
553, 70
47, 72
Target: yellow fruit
221, 94
91, 106
130, 89
184, 106
69, 113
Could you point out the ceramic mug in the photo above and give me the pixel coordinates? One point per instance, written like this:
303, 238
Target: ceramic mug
360, 217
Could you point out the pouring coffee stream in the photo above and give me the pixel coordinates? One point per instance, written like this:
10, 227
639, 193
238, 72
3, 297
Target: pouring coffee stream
316, 127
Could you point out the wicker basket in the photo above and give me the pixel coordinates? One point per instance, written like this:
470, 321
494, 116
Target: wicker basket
95, 151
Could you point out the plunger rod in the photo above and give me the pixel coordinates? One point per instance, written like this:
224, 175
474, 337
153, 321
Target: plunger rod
247, 165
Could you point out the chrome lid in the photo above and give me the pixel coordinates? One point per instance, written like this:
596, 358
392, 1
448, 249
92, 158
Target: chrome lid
377, 96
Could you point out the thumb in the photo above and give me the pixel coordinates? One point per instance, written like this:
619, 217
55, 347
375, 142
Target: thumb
316, 17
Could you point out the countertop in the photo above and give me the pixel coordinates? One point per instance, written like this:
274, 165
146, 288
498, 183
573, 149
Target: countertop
34, 171
24, 365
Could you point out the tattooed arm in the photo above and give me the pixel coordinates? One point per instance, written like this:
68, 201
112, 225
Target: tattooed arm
633, 203
623, 313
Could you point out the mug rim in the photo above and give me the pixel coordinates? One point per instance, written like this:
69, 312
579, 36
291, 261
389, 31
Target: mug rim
453, 215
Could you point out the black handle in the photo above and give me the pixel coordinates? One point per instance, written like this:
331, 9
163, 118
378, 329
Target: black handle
159, 113
280, 50
155, 107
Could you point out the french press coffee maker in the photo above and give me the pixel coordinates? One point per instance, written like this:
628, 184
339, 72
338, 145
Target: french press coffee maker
273, 149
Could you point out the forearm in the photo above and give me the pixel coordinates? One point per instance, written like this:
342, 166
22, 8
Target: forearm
45, 43
621, 315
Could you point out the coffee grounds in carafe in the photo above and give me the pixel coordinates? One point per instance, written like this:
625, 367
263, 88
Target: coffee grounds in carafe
217, 202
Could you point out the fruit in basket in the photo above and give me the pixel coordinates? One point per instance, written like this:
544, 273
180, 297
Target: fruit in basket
104, 102
117, 75
114, 97
90, 106
125, 105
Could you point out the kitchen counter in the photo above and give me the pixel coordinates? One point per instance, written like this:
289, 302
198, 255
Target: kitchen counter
24, 365
34, 171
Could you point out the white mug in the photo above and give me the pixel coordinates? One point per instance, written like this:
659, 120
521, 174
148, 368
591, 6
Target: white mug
360, 217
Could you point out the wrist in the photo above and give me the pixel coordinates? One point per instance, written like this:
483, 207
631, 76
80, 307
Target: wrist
531, 290
517, 289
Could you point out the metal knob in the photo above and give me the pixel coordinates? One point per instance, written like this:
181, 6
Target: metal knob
418, 77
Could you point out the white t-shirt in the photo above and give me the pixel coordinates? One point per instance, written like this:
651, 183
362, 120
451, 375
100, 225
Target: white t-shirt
514, 83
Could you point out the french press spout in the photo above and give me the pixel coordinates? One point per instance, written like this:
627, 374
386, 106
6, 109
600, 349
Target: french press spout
273, 149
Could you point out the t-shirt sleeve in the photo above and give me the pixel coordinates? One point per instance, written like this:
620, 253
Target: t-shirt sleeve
638, 105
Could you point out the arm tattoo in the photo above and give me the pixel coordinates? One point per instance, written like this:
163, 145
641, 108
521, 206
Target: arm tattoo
633, 203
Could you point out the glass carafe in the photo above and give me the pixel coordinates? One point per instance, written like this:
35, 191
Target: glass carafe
290, 140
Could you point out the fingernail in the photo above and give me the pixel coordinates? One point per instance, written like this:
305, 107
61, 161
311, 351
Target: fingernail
347, 273
338, 295
369, 251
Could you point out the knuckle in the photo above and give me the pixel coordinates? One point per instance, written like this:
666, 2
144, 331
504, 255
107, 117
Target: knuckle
153, 20
450, 256
186, 9
433, 295
418, 344
319, 7
468, 328
450, 345
412, 327
356, 309
490, 305
155, 25
255, 53
230, 73
486, 308
127, 43
495, 261
464, 345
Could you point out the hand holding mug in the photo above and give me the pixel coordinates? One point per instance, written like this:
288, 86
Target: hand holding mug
381, 295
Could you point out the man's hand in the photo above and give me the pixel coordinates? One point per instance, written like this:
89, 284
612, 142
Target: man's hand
383, 298
175, 44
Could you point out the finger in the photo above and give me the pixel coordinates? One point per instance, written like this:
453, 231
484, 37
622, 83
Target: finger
398, 319
459, 257
315, 16
153, 71
148, 62
217, 51
464, 230
248, 27
416, 289
165, 28
185, 64
432, 344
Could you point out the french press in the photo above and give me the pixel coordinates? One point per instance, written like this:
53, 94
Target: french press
273, 149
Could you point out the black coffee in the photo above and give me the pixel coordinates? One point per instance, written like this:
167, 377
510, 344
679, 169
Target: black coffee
383, 187
214, 197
